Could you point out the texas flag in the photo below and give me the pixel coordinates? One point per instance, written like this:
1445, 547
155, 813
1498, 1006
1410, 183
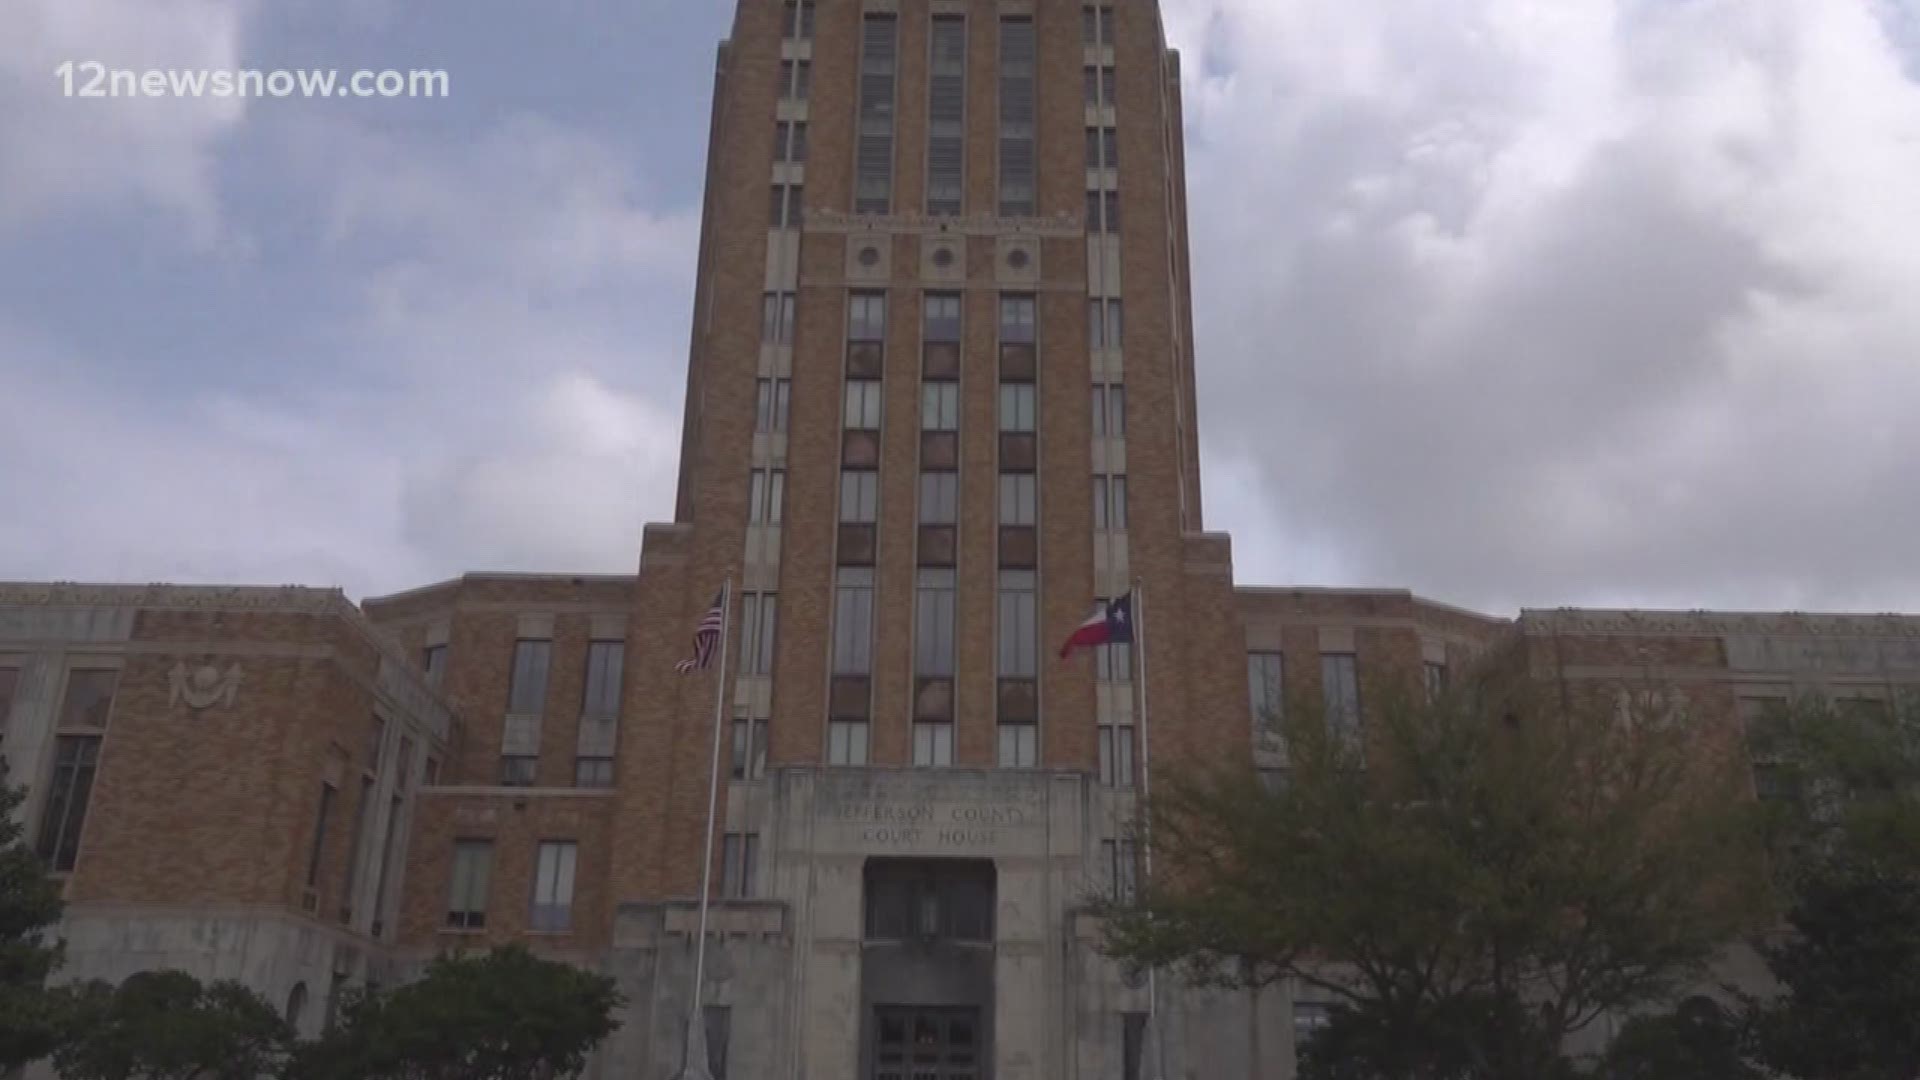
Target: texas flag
1110, 624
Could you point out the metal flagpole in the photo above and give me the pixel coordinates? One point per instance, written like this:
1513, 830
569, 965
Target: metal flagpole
696, 1066
1154, 1054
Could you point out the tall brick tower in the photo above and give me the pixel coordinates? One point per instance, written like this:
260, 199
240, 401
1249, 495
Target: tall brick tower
940, 402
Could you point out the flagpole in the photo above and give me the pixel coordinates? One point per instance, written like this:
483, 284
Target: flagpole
696, 1052
1158, 1066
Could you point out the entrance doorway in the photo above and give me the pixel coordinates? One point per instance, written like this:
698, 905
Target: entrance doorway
915, 1043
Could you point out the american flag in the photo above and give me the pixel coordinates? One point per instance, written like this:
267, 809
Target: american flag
706, 636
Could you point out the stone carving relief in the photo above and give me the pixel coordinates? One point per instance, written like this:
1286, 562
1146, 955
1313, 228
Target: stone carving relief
203, 686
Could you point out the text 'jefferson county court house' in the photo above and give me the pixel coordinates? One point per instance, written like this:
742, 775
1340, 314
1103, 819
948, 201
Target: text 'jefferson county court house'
940, 400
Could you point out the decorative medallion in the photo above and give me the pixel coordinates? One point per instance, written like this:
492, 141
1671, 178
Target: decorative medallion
204, 686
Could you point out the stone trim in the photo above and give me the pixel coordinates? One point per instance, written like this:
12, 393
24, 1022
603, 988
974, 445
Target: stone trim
1641, 623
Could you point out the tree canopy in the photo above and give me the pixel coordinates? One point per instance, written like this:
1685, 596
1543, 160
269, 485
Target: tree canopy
166, 1025
30, 905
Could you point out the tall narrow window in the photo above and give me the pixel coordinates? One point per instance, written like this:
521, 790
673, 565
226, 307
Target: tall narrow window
758, 614
776, 318
784, 212
864, 404
767, 497
553, 887
939, 498
853, 621
946, 114
89, 698
873, 184
1436, 679
528, 695
1133, 1042
749, 748
1340, 690
1110, 502
739, 857
867, 317
1017, 407
717, 1020
1121, 868
1019, 499
933, 640
1019, 627
472, 879
433, 666
940, 406
322, 817
1110, 412
1116, 755
355, 841
859, 497
943, 318
933, 744
770, 410
847, 742
1018, 185
1113, 663
1019, 744
1266, 691
605, 663
1016, 320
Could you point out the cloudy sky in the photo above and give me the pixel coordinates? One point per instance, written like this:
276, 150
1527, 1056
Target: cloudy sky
1507, 301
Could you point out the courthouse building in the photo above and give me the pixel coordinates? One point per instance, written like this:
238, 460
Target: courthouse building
940, 401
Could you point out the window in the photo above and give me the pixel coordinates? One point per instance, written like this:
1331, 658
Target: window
1122, 875
472, 874
519, 770
770, 410
933, 745
605, 659
758, 615
1097, 24
1090, 80
1018, 636
360, 811
1309, 1019
528, 695
389, 851
1016, 406
1109, 85
296, 1005
784, 212
1113, 663
873, 184
933, 643
1103, 212
75, 759
940, 406
1116, 755
322, 817
790, 146
929, 900
796, 79
1436, 679
749, 748
739, 855
1133, 1043
867, 317
376, 743
863, 405
1104, 324
1109, 502
593, 772
1340, 689
853, 621
847, 742
1266, 687
946, 115
800, 21
1016, 320
553, 887
776, 318
717, 1026
1109, 412
89, 699
939, 498
1017, 169
433, 665
766, 500
1019, 746
1018, 498
943, 317
859, 496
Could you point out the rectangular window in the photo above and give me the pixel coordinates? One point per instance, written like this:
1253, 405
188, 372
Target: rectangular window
1110, 502
800, 19
1019, 746
360, 812
749, 748
766, 499
939, 498
1109, 217
1266, 689
553, 887
940, 406
946, 115
867, 317
376, 743
472, 879
519, 770
873, 185
770, 409
943, 318
758, 615
593, 772
784, 208
528, 695
1019, 499
717, 1025
1103, 324
933, 644
1089, 25
1133, 1044
786, 77
88, 699
1109, 84
1309, 1019
1436, 679
433, 665
1019, 647
605, 663
739, 856
1113, 663
1017, 168
322, 817
847, 742
803, 80
853, 621
1017, 407
776, 318
933, 746
1340, 689
790, 143
1090, 80
864, 404
1116, 755
1016, 320
859, 497
1122, 871
1110, 412
1113, 327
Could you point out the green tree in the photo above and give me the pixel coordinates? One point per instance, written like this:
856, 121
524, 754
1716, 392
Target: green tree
166, 1025
1846, 832
1475, 877
30, 1015
506, 1015
1697, 1041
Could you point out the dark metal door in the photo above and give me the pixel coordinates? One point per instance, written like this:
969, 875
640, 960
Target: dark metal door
926, 1044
